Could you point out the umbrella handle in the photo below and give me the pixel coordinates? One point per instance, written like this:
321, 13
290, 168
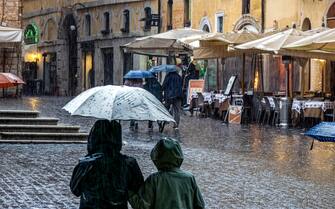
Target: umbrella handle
312, 145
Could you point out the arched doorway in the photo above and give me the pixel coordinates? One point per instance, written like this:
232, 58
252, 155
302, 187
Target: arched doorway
331, 16
70, 35
306, 24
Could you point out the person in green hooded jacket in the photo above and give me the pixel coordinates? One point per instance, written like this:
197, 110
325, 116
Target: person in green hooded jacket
170, 187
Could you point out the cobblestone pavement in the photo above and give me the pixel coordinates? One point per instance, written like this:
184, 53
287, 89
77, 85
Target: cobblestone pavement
235, 166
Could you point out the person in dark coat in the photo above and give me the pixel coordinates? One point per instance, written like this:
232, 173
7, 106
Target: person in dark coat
173, 94
134, 82
108, 177
154, 87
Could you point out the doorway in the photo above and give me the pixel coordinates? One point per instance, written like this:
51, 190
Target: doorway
70, 29
50, 75
108, 57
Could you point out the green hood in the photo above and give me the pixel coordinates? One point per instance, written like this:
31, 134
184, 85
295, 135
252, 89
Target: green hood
167, 154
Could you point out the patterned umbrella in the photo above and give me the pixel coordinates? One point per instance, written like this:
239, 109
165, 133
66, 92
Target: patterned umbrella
118, 103
323, 132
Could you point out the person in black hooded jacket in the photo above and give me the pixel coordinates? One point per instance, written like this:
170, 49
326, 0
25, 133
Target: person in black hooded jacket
105, 180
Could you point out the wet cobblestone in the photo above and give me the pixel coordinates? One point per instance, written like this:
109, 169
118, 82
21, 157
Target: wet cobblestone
235, 166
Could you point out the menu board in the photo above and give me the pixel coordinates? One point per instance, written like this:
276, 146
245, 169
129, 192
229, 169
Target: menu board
194, 86
230, 85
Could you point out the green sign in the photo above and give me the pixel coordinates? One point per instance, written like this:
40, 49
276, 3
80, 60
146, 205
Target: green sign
31, 34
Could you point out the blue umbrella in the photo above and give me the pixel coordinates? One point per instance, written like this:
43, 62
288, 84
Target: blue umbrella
163, 68
323, 132
138, 74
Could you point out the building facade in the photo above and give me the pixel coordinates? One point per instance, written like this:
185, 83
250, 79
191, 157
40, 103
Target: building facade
263, 16
74, 45
10, 54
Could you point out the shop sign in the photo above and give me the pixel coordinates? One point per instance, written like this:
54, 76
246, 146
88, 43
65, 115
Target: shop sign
31, 34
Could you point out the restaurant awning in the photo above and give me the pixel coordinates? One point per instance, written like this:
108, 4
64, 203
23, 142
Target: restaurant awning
10, 35
324, 41
173, 42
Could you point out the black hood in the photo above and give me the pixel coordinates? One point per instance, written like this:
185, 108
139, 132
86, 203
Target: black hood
105, 137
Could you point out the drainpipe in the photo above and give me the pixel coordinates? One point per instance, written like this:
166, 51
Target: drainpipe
263, 16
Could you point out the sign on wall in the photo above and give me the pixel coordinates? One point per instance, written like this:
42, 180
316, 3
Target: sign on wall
31, 34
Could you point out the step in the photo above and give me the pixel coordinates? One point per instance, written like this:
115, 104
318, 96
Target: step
19, 141
29, 121
19, 114
30, 136
39, 128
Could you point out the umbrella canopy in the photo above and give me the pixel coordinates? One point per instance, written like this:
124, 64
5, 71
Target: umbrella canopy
275, 42
9, 80
220, 44
172, 42
118, 103
138, 74
163, 68
324, 40
324, 132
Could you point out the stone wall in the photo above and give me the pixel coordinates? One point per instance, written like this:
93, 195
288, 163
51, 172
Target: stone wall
10, 11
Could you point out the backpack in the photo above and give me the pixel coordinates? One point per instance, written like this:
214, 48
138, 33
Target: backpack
81, 170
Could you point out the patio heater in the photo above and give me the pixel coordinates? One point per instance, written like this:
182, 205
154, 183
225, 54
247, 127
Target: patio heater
286, 102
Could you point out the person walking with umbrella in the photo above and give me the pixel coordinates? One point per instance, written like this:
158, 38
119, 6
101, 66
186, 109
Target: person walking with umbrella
102, 178
133, 81
154, 87
173, 94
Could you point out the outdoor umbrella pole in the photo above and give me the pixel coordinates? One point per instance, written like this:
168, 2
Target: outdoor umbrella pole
243, 74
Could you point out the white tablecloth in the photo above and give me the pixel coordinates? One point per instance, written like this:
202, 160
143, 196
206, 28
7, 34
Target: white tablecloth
299, 105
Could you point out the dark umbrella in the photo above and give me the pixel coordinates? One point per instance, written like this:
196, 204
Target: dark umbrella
323, 132
138, 74
163, 68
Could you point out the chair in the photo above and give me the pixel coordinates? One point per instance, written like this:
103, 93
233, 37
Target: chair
330, 116
260, 109
200, 103
276, 112
247, 106
268, 111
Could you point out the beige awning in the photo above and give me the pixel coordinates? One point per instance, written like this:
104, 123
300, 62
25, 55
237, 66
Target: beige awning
173, 42
324, 40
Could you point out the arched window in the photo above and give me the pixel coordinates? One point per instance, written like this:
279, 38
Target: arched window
206, 28
148, 18
331, 17
126, 21
106, 29
306, 25
87, 25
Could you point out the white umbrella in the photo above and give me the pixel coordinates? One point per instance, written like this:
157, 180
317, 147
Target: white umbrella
118, 103
173, 42
324, 40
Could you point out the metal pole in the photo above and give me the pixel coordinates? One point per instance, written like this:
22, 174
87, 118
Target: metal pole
287, 68
243, 74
